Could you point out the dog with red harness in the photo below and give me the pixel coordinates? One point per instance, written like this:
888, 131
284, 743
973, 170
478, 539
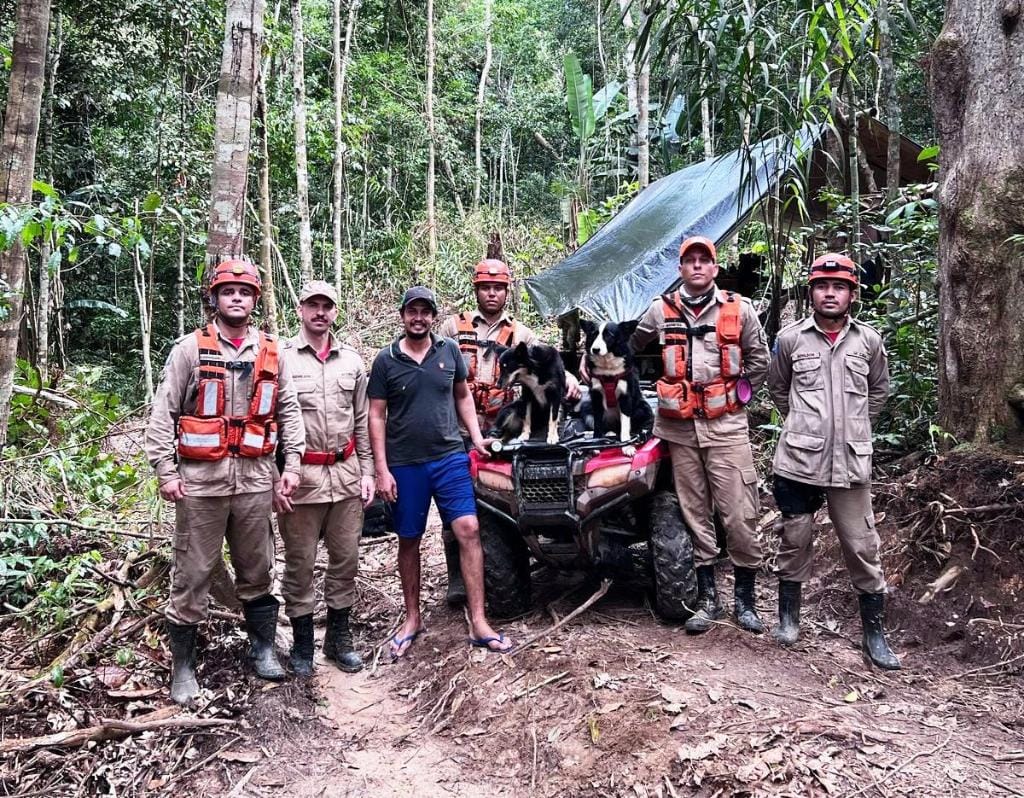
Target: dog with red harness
618, 404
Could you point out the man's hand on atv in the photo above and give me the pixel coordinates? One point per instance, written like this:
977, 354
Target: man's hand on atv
572, 388
483, 445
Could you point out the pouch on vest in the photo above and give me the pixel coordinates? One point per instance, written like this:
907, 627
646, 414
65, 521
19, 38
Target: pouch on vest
257, 438
675, 400
716, 400
264, 399
202, 438
210, 397
731, 361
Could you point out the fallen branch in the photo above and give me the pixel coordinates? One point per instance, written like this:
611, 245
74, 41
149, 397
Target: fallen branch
944, 581
531, 688
598, 595
47, 396
109, 729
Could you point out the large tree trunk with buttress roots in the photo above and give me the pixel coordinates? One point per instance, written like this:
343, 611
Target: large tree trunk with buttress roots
17, 166
977, 87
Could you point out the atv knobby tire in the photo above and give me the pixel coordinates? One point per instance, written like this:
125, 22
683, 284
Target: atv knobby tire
507, 584
675, 581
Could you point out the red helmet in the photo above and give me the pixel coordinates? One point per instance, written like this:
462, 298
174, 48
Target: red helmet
236, 271
833, 266
492, 270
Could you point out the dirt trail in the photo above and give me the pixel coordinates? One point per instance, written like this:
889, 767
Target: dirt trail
616, 703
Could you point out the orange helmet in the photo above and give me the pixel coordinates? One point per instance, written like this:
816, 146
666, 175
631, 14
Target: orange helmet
236, 271
833, 266
492, 270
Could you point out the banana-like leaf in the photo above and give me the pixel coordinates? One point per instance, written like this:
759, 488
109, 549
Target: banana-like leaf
604, 98
97, 304
579, 95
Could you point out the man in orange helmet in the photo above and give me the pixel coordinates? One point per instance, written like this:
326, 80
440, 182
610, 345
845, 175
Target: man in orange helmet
829, 377
472, 330
224, 400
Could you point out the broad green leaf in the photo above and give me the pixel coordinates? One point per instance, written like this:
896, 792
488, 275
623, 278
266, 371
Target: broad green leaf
114, 249
928, 153
45, 189
579, 98
152, 202
605, 97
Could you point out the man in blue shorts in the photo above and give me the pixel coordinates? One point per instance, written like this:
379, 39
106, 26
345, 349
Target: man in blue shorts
418, 394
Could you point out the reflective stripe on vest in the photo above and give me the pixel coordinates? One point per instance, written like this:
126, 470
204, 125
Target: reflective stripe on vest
199, 439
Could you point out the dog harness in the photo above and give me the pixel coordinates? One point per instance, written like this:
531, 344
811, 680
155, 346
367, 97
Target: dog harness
679, 395
487, 396
608, 385
208, 434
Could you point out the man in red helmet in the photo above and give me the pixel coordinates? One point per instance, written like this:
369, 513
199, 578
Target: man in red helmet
225, 399
714, 356
829, 377
490, 322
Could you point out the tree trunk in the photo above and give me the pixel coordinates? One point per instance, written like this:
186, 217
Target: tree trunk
46, 248
977, 82
301, 164
179, 282
638, 78
17, 165
268, 296
890, 103
243, 39
431, 143
340, 72
145, 325
481, 93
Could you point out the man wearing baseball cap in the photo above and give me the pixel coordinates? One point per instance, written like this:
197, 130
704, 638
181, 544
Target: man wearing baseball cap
829, 377
714, 357
336, 481
418, 394
490, 322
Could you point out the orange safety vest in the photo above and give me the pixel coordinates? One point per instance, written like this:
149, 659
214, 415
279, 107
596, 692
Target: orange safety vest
208, 434
487, 397
679, 396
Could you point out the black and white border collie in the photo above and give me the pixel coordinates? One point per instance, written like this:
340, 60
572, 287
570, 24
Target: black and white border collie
617, 402
538, 369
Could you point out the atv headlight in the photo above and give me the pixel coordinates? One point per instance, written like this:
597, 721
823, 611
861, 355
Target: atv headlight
494, 480
609, 476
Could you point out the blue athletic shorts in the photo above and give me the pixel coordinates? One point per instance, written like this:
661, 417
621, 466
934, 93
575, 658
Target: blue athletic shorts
446, 481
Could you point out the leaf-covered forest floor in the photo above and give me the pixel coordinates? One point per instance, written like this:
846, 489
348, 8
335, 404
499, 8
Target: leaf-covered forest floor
613, 702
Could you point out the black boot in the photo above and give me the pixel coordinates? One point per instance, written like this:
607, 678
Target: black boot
261, 624
709, 609
182, 638
338, 642
456, 595
872, 606
301, 658
745, 604
788, 630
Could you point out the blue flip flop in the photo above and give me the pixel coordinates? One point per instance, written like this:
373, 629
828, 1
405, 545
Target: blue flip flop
397, 642
485, 642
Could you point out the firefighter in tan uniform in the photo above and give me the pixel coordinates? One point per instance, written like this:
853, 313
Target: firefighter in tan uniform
489, 323
336, 481
225, 399
714, 357
829, 377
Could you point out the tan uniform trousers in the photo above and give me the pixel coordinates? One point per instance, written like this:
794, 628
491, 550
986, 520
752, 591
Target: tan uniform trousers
202, 524
854, 522
722, 477
342, 524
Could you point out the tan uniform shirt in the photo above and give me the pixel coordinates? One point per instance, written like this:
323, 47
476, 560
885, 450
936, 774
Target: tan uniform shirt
486, 360
706, 358
830, 394
335, 409
176, 397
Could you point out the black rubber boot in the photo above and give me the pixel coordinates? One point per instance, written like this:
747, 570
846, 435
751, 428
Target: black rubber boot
788, 630
456, 595
709, 608
745, 603
338, 642
875, 647
301, 658
261, 624
182, 639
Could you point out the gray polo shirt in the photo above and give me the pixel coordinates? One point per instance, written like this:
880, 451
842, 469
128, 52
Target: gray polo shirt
422, 424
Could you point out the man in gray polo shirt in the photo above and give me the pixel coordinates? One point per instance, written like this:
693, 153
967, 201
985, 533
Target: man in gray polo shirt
418, 394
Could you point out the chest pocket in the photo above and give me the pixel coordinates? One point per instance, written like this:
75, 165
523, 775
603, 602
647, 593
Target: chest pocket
807, 374
855, 375
305, 389
346, 387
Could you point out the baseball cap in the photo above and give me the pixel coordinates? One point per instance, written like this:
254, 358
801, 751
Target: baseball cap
318, 288
699, 241
420, 292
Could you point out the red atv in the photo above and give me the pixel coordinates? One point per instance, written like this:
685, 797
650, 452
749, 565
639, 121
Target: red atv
581, 504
